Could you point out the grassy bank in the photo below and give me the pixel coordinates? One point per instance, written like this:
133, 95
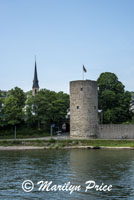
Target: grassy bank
52, 143
22, 136
23, 133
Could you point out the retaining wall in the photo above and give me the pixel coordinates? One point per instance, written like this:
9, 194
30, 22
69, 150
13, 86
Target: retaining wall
116, 131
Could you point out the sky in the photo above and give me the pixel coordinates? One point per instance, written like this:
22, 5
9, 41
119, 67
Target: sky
64, 35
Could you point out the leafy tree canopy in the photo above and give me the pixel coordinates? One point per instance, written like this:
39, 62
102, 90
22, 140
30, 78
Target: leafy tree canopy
47, 107
114, 101
12, 111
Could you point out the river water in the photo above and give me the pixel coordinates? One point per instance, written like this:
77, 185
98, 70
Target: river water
111, 167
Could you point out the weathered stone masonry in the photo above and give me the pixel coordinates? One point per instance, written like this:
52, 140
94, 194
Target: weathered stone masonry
116, 131
83, 108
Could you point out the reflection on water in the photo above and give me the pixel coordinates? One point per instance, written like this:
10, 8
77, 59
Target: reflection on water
111, 167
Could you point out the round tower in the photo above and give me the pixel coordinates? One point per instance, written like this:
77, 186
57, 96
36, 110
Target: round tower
83, 108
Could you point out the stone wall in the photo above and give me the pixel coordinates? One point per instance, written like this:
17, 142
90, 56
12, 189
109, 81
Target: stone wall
83, 108
116, 131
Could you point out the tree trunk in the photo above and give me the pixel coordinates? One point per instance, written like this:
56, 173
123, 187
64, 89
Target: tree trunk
38, 124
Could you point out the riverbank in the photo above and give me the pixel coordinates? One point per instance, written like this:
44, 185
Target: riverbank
65, 144
14, 148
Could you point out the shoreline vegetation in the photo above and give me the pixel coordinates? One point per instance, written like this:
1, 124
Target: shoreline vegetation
69, 143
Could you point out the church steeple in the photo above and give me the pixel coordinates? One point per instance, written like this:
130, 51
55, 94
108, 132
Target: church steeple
35, 87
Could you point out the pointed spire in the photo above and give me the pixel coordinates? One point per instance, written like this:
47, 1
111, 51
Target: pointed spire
35, 81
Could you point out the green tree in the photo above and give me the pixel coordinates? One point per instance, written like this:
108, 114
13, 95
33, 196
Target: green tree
114, 101
47, 107
1, 110
19, 95
0, 101
14, 103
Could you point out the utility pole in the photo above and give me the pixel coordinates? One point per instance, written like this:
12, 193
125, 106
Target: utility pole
15, 133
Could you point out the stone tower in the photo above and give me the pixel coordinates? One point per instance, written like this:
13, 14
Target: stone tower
83, 108
35, 87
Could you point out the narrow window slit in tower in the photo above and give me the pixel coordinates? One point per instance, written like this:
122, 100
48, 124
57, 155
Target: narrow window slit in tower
77, 107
